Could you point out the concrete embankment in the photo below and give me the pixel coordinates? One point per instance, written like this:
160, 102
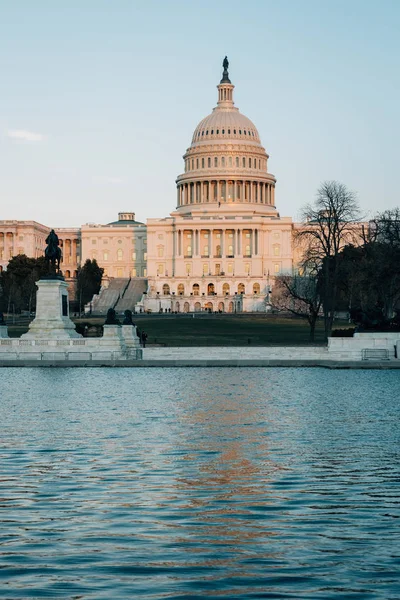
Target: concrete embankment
266, 356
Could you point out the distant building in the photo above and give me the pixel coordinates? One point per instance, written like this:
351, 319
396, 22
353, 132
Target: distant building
219, 249
225, 241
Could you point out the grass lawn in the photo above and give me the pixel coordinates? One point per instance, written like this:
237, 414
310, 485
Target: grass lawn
217, 330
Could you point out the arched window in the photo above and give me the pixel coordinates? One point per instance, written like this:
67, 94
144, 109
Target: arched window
186, 307
202, 161
249, 163
197, 307
221, 307
210, 289
165, 289
241, 288
215, 161
67, 274
225, 289
181, 289
255, 163
223, 161
120, 254
256, 288
230, 161
209, 162
237, 161
244, 162
196, 289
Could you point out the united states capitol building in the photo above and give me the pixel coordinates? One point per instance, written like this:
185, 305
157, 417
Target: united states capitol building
219, 249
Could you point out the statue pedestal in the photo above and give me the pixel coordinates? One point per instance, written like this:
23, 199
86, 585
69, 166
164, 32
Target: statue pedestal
129, 333
52, 313
3, 331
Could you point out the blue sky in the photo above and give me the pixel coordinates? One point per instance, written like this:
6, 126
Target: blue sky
99, 99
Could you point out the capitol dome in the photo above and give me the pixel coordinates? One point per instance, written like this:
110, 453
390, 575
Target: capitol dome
226, 163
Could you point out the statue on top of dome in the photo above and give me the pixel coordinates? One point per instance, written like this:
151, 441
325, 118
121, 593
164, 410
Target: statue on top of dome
225, 74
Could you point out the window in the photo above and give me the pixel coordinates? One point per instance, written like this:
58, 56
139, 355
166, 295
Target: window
202, 161
188, 269
230, 161
277, 250
212, 131
144, 255
133, 255
189, 236
225, 289
119, 254
105, 255
119, 241
217, 131
209, 163
94, 242
166, 290
133, 272
181, 288
230, 235
196, 289
249, 163
255, 163
223, 131
247, 268
230, 250
276, 268
144, 272
105, 241
192, 164
240, 132
247, 235
256, 288
218, 235
223, 161
237, 161
206, 236
216, 161
205, 269
160, 269
21, 238
197, 163
229, 131
244, 162
207, 132
189, 251
206, 251
120, 272
160, 251
241, 288
247, 251
230, 268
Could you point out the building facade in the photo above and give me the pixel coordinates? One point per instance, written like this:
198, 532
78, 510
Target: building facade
225, 241
218, 250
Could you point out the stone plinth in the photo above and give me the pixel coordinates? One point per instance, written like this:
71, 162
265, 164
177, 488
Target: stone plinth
52, 313
3, 331
129, 333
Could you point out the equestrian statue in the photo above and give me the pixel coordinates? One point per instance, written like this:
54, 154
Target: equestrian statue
53, 254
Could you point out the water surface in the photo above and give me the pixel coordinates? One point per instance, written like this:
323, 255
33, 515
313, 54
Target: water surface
199, 483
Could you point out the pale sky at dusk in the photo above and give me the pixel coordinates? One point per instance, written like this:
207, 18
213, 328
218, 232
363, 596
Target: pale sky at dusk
99, 99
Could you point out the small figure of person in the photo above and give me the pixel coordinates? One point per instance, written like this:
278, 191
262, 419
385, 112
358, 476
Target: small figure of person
144, 338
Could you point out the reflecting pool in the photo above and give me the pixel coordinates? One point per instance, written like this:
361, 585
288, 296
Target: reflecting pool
199, 483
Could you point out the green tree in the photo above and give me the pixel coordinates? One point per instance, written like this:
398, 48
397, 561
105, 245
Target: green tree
88, 282
18, 283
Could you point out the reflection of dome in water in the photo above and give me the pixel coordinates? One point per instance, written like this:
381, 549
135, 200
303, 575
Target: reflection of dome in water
226, 162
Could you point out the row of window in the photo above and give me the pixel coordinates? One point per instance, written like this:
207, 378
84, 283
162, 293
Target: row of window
247, 132
120, 255
105, 241
226, 289
251, 163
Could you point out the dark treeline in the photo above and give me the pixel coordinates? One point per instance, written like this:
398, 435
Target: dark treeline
346, 265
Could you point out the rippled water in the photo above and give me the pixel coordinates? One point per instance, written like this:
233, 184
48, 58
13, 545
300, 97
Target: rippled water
196, 483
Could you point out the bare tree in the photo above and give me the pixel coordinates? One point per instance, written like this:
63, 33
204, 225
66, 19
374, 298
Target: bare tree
328, 225
299, 295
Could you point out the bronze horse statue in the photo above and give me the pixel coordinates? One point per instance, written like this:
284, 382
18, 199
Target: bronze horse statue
53, 254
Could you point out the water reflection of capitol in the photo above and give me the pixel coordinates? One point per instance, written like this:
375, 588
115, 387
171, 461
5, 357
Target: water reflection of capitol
219, 249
